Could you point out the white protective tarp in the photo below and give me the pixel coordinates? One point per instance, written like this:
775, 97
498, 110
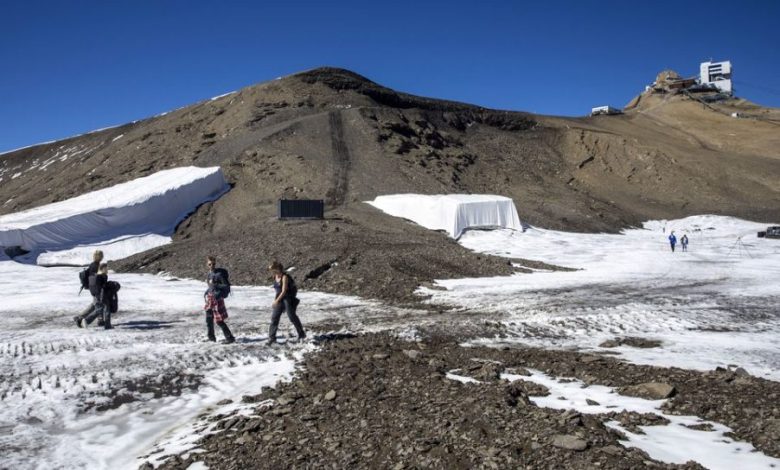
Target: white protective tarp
452, 213
152, 205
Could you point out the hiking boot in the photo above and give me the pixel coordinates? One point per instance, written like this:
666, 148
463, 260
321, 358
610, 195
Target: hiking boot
210, 340
271, 342
228, 341
77, 319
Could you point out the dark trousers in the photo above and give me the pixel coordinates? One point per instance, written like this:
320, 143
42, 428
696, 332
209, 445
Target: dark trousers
290, 306
222, 325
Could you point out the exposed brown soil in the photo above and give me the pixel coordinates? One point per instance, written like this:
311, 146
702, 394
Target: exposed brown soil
374, 401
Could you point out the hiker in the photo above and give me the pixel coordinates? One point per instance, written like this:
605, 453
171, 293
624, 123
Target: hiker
285, 300
92, 269
97, 284
672, 240
684, 242
218, 288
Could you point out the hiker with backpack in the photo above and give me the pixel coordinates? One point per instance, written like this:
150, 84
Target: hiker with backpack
286, 300
218, 282
84, 275
100, 288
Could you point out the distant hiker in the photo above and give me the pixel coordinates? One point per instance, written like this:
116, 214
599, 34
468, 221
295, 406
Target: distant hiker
218, 288
97, 284
684, 242
285, 300
84, 275
672, 241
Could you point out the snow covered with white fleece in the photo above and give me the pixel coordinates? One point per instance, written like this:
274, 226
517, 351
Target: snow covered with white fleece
452, 213
123, 219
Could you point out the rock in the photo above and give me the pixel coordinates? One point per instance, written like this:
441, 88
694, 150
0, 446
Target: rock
590, 359
282, 411
612, 450
412, 353
526, 388
519, 371
330, 396
650, 390
285, 400
226, 401
634, 342
381, 356
592, 402
700, 427
568, 442
489, 372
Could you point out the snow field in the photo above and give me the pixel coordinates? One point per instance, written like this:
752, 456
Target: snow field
715, 305
90, 398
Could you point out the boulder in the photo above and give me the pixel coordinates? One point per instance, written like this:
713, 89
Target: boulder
650, 390
412, 353
489, 372
569, 442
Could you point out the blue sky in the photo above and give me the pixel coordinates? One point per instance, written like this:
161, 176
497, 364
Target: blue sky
71, 67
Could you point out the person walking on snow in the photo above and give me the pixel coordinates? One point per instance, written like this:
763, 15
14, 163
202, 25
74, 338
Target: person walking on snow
97, 284
672, 241
285, 300
218, 287
684, 242
97, 258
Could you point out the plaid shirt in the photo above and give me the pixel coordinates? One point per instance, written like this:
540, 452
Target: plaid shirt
217, 307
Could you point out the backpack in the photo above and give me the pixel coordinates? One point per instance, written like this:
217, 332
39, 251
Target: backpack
292, 289
111, 298
84, 279
224, 289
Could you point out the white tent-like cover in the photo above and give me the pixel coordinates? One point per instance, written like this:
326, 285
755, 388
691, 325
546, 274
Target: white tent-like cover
128, 217
452, 213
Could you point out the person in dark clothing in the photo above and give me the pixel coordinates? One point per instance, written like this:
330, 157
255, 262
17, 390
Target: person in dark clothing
92, 270
684, 242
215, 302
285, 301
97, 283
672, 241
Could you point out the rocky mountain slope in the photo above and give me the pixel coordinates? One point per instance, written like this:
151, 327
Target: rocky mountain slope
329, 133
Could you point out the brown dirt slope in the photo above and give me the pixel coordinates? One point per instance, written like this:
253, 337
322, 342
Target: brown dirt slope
329, 133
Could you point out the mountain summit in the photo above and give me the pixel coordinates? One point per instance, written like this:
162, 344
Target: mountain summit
332, 134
